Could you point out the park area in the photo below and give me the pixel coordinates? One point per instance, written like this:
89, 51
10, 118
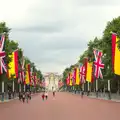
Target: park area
65, 106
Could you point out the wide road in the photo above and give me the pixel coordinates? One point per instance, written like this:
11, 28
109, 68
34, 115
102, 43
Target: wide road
64, 107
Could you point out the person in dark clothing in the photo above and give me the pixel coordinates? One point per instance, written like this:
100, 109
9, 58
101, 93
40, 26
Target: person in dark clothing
53, 93
30, 95
27, 96
20, 97
43, 96
82, 93
75, 91
13, 94
23, 97
9, 94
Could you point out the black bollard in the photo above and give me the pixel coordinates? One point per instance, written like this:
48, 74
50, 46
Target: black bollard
3, 96
87, 93
109, 95
97, 94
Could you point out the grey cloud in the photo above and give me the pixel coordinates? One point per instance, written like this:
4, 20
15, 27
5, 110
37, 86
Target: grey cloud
47, 43
63, 43
60, 57
46, 28
97, 2
58, 61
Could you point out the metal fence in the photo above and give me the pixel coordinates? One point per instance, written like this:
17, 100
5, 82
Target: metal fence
7, 96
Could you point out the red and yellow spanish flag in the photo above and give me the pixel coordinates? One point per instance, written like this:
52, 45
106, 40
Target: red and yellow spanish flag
28, 76
89, 72
115, 55
70, 79
77, 76
13, 65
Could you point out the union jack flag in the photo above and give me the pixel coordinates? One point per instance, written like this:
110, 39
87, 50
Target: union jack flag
98, 64
73, 76
82, 73
22, 72
2, 55
32, 78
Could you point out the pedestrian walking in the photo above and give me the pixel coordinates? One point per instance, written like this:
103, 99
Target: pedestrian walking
13, 94
46, 95
30, 95
43, 96
20, 96
82, 93
27, 96
53, 93
23, 97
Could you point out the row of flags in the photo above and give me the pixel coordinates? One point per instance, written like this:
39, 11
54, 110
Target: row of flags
14, 69
90, 71
80, 74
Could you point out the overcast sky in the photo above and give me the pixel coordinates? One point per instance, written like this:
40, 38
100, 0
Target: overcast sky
53, 33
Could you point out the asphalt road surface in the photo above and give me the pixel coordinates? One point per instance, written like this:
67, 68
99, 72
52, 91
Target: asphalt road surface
65, 106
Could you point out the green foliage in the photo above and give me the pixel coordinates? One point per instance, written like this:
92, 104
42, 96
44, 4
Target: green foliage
39, 75
65, 74
4, 28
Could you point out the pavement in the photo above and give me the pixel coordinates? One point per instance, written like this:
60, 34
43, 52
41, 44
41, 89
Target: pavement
101, 98
114, 97
8, 100
65, 106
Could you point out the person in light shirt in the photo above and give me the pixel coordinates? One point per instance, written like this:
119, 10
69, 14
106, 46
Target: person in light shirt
46, 95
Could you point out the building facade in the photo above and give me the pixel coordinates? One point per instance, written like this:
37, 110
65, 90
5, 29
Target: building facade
51, 80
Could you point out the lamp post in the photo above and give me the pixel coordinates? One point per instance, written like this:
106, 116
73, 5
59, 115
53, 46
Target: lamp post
96, 88
3, 91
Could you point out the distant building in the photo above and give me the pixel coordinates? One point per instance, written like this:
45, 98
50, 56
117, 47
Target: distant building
51, 80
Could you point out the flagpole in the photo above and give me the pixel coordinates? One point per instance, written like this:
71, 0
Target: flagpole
2, 90
96, 88
20, 87
13, 89
24, 87
13, 86
96, 85
109, 94
83, 86
88, 87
